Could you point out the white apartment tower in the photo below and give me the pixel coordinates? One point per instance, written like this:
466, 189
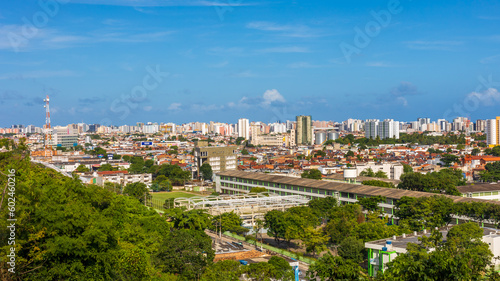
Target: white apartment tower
493, 132
244, 128
371, 128
388, 129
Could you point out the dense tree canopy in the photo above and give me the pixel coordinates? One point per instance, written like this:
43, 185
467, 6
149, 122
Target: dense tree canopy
423, 139
69, 231
492, 172
462, 256
379, 183
330, 268
206, 171
311, 174
445, 181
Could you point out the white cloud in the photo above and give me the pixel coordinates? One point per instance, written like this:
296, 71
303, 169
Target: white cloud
147, 108
162, 3
293, 49
219, 51
402, 101
175, 106
271, 96
379, 64
38, 74
488, 97
433, 45
297, 31
244, 74
302, 65
405, 89
220, 65
14, 37
492, 59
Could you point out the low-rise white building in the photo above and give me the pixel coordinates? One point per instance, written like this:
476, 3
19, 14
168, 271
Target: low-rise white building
392, 170
121, 177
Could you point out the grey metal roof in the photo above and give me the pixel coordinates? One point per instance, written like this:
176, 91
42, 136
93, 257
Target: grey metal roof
481, 187
345, 187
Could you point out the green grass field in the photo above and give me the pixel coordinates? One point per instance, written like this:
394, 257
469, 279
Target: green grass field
166, 195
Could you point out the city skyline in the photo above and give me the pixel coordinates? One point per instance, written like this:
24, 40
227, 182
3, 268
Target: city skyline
119, 62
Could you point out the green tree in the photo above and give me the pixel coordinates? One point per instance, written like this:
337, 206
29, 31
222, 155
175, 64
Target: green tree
244, 152
322, 206
425, 212
367, 173
371, 203
261, 271
187, 253
98, 151
343, 221
161, 183
82, 169
227, 270
239, 140
475, 151
381, 175
319, 153
282, 269
106, 167
137, 165
276, 224
352, 248
136, 190
329, 268
258, 189
491, 172
407, 168
72, 231
349, 153
193, 219
230, 222
206, 171
314, 240
444, 181
113, 187
449, 159
379, 183
311, 174
173, 172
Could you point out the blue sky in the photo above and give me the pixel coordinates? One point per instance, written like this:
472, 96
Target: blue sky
126, 61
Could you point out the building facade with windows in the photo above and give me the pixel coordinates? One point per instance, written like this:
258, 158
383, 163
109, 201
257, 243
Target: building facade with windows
239, 182
304, 131
493, 132
220, 158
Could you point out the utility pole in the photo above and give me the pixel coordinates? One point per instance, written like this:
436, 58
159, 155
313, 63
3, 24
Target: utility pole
220, 217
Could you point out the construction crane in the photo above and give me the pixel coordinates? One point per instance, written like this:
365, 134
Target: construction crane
48, 129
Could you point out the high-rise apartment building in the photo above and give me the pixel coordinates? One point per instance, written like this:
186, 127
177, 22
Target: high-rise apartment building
480, 125
388, 129
493, 132
371, 128
385, 129
304, 132
244, 128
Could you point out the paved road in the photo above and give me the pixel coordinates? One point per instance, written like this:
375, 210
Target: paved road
51, 167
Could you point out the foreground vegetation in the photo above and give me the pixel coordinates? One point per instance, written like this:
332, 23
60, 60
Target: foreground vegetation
69, 231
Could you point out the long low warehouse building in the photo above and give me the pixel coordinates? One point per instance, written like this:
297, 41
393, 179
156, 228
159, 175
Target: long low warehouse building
238, 182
